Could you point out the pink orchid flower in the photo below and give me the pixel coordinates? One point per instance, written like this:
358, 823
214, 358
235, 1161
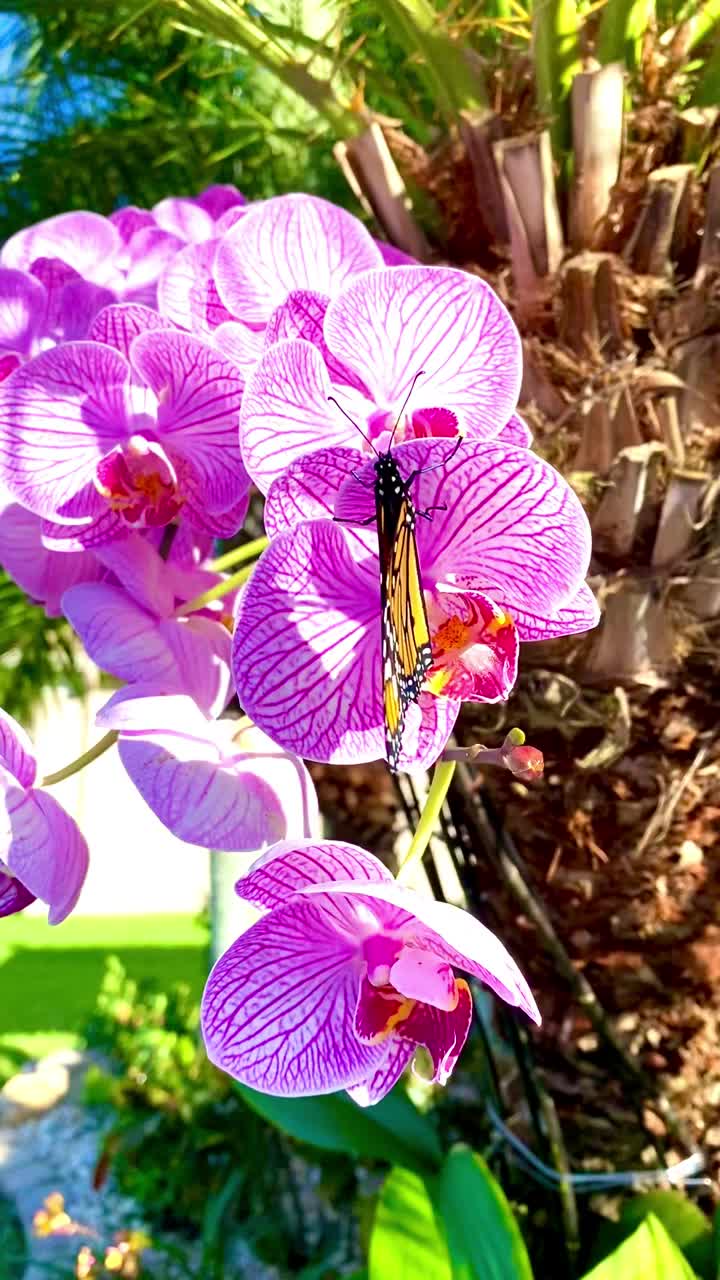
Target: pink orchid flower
433, 334
502, 559
129, 430
230, 287
346, 974
215, 783
131, 626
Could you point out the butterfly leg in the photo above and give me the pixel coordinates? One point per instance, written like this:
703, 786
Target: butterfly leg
425, 515
420, 471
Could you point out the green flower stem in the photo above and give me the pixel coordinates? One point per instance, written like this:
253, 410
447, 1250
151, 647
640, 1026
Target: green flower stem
215, 593
442, 777
86, 758
247, 551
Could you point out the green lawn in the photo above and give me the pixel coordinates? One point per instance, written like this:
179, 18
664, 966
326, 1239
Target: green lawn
50, 977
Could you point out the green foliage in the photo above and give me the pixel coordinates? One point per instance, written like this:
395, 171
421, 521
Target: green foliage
36, 653
170, 114
707, 89
392, 1130
187, 1147
622, 27
684, 1222
557, 59
483, 1235
649, 1253
405, 1241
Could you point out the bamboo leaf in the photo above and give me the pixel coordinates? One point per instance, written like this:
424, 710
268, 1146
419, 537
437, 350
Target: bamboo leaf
707, 89
453, 80
622, 27
556, 26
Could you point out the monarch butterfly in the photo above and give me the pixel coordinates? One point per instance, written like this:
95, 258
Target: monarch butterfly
406, 647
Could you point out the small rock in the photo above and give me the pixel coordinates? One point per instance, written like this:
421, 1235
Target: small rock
31, 1093
691, 855
588, 1043
627, 1022
653, 1123
712, 1137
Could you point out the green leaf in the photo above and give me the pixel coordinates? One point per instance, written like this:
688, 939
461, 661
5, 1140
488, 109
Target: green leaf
452, 75
622, 27
483, 1235
648, 1253
557, 59
707, 89
684, 1222
392, 1130
405, 1241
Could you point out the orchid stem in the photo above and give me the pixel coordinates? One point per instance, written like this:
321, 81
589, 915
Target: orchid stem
427, 822
215, 593
86, 758
247, 551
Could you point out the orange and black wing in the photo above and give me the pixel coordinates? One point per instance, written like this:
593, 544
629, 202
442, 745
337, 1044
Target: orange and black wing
406, 649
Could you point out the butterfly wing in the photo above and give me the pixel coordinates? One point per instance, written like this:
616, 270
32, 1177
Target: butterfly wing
406, 648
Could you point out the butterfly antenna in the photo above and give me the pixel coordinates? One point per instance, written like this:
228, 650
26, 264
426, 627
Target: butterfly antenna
398, 420
354, 424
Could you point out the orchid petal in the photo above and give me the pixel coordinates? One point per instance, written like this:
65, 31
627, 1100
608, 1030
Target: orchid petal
78, 304
393, 257
219, 197
14, 896
395, 324
510, 525
59, 415
147, 255
142, 571
306, 656
184, 218
119, 324
140, 709
242, 346
202, 651
285, 243
580, 613
302, 316
47, 852
209, 783
16, 751
285, 412
516, 432
176, 284
307, 489
199, 395
399, 1055
450, 933
85, 241
277, 1013
291, 865
44, 575
22, 308
130, 219
442, 1033
120, 636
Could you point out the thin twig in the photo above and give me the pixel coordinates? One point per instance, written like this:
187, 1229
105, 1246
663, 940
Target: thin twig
662, 817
